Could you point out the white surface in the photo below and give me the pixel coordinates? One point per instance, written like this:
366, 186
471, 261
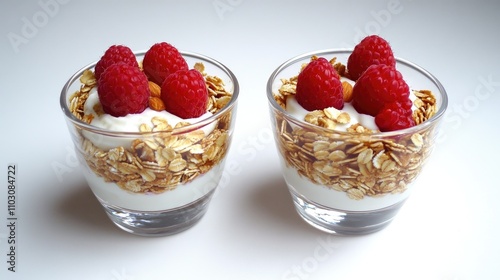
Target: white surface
448, 229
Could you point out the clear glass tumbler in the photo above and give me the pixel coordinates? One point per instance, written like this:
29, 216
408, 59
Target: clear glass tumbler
348, 182
159, 180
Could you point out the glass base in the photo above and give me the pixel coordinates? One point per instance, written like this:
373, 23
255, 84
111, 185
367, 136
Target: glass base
344, 222
158, 223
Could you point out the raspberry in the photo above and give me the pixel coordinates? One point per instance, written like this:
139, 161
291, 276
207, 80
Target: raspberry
319, 86
185, 94
123, 89
395, 116
380, 84
371, 50
114, 54
161, 60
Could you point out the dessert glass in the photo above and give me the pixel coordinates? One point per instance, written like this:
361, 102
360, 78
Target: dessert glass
158, 181
347, 182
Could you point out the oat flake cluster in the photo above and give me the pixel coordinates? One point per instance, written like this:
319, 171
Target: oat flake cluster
359, 166
163, 160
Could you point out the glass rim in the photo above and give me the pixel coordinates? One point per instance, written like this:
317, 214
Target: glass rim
174, 131
439, 113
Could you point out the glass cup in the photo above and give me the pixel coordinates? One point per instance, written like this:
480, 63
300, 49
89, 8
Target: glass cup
353, 182
159, 180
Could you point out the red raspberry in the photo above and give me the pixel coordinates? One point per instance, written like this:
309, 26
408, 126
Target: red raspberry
114, 54
319, 86
371, 50
380, 84
123, 89
161, 60
185, 94
395, 116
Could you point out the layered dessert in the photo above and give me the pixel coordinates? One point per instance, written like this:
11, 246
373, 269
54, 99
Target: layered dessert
157, 143
358, 145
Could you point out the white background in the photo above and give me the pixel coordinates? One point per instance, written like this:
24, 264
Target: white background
448, 229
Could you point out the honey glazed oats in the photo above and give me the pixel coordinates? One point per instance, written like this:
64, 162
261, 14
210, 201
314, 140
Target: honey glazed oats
161, 160
363, 165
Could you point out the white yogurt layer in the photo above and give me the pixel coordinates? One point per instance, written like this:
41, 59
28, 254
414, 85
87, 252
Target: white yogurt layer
297, 111
337, 199
183, 194
128, 123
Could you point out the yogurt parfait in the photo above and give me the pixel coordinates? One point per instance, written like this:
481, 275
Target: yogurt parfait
152, 130
354, 129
